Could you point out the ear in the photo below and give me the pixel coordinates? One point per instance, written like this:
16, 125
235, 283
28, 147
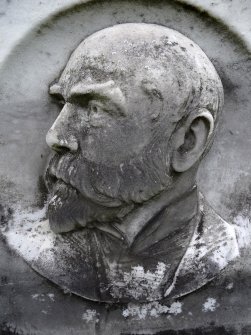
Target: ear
191, 139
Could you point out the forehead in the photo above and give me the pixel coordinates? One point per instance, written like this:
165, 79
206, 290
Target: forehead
126, 48
132, 54
124, 51
135, 81
93, 66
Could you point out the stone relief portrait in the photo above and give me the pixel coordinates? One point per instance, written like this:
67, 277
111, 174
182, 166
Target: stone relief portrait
125, 178
141, 104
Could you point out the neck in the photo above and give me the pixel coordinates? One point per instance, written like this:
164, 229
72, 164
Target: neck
180, 202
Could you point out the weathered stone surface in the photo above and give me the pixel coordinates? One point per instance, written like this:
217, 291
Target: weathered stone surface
166, 263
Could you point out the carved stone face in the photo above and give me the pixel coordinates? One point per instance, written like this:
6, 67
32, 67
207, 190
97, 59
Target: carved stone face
124, 92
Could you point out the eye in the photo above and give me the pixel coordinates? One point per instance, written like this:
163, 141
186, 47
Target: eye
95, 107
97, 114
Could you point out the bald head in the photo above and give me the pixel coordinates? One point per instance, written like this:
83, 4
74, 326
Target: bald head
163, 63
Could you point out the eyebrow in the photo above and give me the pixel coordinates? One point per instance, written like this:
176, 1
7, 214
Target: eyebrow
104, 91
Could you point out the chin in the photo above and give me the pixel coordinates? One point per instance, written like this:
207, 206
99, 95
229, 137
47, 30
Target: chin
66, 210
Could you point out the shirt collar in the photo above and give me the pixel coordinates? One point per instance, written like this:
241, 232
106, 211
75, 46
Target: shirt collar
136, 221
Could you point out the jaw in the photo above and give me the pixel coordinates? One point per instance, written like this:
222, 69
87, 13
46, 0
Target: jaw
78, 173
64, 210
68, 210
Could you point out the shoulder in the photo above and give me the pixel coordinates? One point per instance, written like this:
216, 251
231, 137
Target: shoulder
212, 247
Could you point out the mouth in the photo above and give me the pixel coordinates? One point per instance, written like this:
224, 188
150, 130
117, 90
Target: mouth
57, 185
59, 176
53, 178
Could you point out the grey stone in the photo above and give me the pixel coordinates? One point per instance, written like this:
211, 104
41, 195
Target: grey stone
113, 244
141, 105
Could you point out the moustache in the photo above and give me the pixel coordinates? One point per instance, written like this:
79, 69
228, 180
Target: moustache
76, 174
57, 172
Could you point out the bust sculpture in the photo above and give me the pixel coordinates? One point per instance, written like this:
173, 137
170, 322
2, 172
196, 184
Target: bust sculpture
141, 105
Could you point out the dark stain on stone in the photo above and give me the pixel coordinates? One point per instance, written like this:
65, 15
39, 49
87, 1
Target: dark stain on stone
42, 192
200, 226
180, 8
199, 331
240, 202
228, 85
3, 280
5, 215
7, 330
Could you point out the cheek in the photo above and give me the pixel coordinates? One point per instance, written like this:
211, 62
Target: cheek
114, 142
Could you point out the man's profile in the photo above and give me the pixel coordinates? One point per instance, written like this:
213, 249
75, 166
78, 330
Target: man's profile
141, 104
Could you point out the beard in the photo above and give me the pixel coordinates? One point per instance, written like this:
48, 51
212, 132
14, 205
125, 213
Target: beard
85, 193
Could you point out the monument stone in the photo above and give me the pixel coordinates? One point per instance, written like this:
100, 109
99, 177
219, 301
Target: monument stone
125, 193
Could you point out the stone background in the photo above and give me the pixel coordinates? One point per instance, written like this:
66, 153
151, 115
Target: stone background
18, 16
29, 304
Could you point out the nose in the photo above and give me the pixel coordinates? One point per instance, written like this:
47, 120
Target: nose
60, 136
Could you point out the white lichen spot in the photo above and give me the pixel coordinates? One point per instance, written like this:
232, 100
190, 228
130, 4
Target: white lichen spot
43, 297
29, 233
210, 305
243, 230
51, 296
153, 309
121, 167
39, 297
230, 286
90, 315
138, 282
175, 308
